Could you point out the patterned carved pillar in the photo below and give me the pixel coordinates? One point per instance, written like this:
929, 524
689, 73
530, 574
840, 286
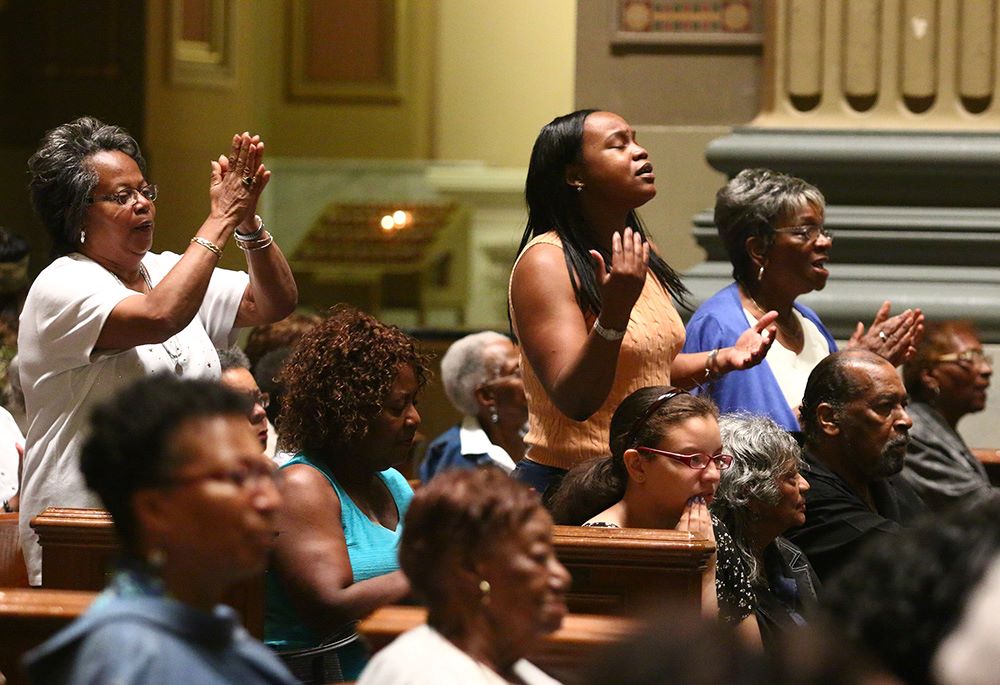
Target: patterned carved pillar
892, 108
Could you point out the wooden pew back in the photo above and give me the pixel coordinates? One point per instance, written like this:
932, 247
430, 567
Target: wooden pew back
13, 572
30, 616
79, 550
623, 570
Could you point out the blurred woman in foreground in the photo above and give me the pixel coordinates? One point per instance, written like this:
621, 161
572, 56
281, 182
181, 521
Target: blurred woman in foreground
194, 504
478, 548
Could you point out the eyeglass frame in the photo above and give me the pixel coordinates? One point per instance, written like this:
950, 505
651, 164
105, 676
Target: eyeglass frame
132, 193
807, 230
688, 459
653, 407
260, 397
965, 358
245, 479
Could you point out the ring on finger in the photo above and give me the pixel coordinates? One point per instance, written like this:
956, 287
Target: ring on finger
248, 181
882, 336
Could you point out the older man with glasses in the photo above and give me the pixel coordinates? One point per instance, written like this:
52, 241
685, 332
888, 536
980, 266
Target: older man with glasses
947, 379
856, 427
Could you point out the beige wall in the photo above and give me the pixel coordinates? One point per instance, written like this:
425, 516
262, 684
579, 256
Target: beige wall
482, 78
503, 70
679, 99
186, 127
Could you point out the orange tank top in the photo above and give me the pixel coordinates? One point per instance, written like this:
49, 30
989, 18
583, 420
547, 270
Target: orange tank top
654, 336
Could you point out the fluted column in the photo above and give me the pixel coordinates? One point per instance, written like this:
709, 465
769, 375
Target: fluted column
878, 64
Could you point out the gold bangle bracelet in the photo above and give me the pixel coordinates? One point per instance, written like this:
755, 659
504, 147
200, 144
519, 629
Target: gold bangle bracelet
208, 245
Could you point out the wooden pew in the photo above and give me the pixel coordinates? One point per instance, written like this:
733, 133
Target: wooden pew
615, 571
13, 572
561, 654
28, 617
79, 549
990, 459
623, 570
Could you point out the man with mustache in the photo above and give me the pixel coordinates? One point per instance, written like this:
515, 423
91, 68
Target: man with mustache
855, 429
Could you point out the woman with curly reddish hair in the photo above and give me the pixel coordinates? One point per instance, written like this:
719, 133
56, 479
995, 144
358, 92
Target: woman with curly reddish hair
349, 415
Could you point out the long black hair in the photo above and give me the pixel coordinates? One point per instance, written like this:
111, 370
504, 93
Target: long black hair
554, 205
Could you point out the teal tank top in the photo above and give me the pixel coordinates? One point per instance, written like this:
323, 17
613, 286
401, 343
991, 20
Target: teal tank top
370, 547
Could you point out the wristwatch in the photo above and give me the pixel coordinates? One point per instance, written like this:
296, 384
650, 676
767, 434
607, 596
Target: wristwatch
607, 333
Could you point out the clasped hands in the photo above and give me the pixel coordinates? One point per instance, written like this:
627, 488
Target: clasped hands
238, 180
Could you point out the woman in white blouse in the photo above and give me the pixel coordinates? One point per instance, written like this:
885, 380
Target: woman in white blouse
108, 311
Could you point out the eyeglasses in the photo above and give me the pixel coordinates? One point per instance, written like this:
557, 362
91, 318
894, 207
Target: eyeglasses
652, 409
247, 477
966, 358
261, 398
807, 234
697, 461
126, 195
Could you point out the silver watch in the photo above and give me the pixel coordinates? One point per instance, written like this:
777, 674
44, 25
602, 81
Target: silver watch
607, 333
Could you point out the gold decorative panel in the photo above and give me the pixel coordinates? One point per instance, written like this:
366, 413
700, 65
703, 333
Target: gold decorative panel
695, 22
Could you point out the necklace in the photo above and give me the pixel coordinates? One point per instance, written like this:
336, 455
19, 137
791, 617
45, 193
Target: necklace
170, 346
789, 332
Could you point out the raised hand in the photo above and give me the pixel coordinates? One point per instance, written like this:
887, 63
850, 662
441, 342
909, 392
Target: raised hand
751, 347
621, 287
894, 338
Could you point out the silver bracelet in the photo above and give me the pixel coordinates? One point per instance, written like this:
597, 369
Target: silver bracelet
253, 246
250, 237
607, 333
710, 362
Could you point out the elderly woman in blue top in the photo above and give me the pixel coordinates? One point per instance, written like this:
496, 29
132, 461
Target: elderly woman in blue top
194, 504
772, 227
481, 374
350, 415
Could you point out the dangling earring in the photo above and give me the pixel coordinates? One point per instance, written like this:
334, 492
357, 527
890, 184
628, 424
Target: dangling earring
760, 274
83, 236
579, 188
484, 589
494, 416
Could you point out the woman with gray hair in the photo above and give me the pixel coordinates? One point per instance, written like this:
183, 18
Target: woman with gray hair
109, 311
481, 374
772, 226
759, 498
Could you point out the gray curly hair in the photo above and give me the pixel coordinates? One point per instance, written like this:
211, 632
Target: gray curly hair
762, 452
62, 178
464, 368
